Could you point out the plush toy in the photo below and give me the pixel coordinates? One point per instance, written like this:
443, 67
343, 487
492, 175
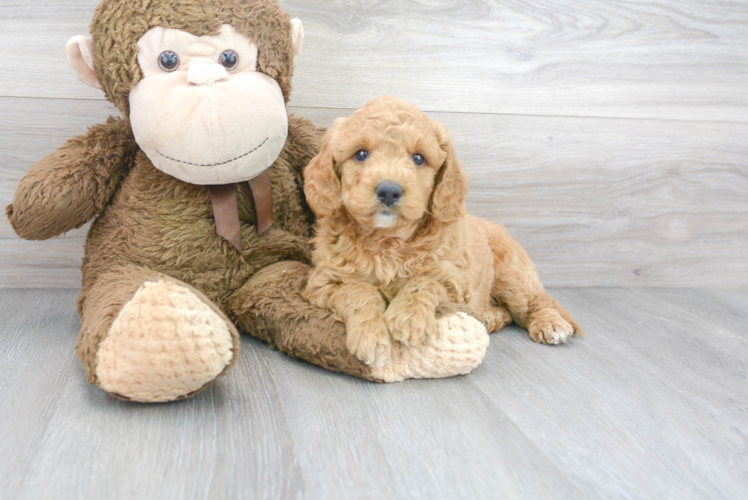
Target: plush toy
200, 227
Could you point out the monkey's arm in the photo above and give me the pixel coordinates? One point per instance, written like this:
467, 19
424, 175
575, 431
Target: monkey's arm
304, 142
72, 185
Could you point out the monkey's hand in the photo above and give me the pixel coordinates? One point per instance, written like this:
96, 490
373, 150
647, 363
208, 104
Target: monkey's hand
72, 185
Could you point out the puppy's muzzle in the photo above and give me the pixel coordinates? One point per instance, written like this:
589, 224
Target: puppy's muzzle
389, 193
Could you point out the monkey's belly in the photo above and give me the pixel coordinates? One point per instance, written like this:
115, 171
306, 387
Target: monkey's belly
164, 224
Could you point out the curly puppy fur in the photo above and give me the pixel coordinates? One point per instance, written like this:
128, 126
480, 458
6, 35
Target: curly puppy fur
384, 267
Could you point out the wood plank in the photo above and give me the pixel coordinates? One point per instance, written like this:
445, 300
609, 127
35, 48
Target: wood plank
666, 382
37, 362
596, 202
649, 404
601, 202
658, 59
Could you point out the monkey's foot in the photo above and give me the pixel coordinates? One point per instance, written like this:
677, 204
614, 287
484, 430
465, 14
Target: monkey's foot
166, 344
458, 346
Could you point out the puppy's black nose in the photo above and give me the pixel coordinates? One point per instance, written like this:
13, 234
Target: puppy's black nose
389, 193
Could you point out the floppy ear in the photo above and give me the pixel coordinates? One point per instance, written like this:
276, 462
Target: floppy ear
321, 182
450, 186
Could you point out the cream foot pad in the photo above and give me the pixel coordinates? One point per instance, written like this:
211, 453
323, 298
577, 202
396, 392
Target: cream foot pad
165, 343
459, 346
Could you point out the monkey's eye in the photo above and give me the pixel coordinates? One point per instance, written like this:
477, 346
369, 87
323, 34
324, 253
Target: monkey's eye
418, 159
362, 155
168, 60
228, 59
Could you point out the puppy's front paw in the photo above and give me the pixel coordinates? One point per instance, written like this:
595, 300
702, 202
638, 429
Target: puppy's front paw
369, 341
548, 327
410, 322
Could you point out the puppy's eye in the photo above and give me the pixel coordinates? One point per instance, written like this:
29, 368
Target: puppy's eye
418, 159
362, 155
168, 61
228, 59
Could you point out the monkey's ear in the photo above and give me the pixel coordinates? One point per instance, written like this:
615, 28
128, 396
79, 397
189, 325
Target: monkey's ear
297, 36
80, 57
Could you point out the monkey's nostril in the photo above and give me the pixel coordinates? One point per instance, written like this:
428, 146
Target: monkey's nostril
389, 193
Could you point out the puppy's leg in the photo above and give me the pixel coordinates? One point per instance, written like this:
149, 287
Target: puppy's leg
361, 307
411, 316
517, 287
496, 317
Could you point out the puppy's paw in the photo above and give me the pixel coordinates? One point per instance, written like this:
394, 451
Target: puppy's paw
410, 322
369, 341
548, 327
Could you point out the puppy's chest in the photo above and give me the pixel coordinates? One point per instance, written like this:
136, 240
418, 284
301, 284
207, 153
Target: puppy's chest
391, 268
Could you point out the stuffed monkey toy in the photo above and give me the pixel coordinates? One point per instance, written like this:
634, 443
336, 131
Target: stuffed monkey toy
200, 229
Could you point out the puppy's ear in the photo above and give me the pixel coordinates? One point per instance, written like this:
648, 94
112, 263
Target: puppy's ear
321, 182
450, 186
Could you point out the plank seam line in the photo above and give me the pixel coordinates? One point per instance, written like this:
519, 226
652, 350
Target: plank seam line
528, 115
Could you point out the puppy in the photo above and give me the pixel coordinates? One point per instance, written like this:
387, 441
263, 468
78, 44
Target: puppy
393, 241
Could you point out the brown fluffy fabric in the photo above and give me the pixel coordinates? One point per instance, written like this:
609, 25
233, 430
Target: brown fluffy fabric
151, 226
70, 186
119, 24
166, 225
158, 224
275, 292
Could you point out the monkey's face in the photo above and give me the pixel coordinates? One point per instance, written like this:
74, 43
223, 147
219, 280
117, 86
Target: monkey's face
202, 112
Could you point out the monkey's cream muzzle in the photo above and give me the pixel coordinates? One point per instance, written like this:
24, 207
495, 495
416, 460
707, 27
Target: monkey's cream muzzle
201, 122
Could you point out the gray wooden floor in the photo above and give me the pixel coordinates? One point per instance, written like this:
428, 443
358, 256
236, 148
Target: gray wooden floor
652, 403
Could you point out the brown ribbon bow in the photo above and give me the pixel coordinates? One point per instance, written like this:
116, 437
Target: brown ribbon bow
226, 209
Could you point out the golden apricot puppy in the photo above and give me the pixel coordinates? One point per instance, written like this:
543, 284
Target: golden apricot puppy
393, 241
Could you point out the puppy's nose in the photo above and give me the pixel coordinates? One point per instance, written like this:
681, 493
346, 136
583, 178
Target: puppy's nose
389, 193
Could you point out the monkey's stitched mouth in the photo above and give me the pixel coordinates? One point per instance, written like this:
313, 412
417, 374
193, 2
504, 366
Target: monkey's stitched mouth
215, 164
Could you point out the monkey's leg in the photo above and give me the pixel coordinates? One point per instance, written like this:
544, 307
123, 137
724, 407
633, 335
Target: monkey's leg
148, 337
270, 306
